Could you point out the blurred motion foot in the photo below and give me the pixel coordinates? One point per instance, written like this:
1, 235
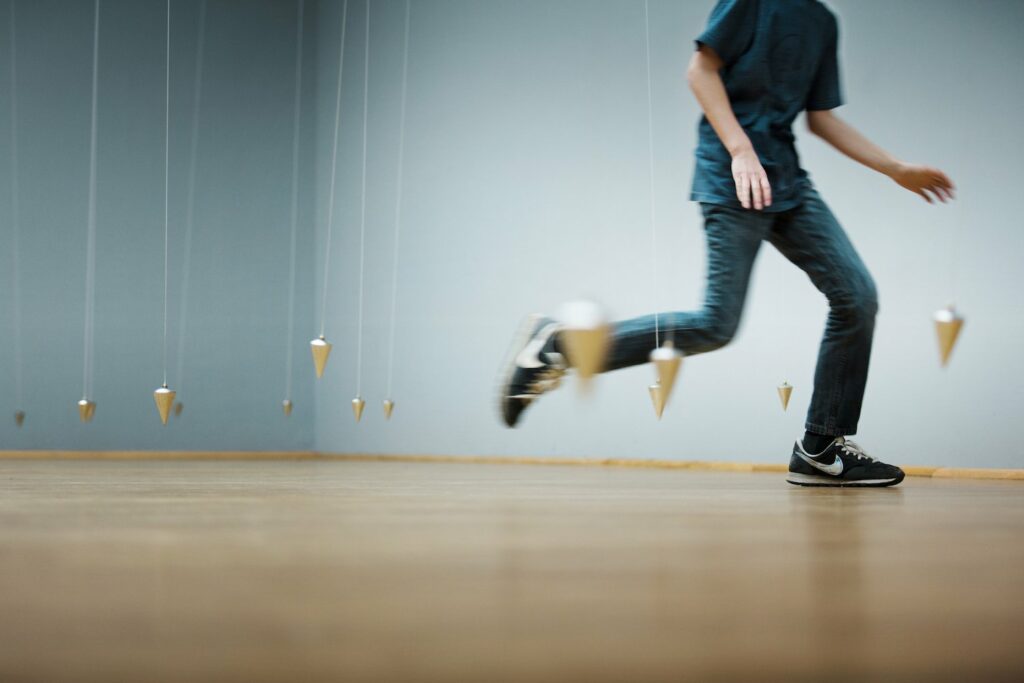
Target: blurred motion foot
533, 368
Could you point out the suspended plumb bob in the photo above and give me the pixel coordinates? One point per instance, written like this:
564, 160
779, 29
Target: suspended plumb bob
86, 410
321, 349
286, 406
178, 408
389, 407
947, 328
667, 360
357, 407
164, 398
19, 417
587, 337
785, 391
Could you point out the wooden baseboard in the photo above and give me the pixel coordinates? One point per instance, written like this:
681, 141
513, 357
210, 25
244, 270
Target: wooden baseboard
698, 465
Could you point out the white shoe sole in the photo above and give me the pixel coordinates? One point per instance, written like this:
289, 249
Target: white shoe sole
824, 480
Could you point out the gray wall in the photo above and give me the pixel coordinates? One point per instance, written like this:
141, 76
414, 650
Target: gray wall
526, 185
234, 354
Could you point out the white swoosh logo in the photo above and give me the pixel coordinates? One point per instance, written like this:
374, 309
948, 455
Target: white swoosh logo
529, 357
835, 468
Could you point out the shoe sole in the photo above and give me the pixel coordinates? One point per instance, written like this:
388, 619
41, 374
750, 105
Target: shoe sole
824, 481
508, 368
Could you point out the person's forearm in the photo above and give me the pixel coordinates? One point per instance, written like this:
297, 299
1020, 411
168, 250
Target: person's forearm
850, 142
707, 86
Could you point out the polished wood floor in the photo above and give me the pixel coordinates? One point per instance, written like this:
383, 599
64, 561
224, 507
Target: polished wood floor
371, 571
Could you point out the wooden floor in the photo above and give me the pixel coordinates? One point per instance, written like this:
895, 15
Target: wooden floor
370, 571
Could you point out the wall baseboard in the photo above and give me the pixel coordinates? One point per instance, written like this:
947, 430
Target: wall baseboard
698, 465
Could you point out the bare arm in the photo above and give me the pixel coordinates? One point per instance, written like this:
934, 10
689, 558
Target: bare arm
923, 180
752, 186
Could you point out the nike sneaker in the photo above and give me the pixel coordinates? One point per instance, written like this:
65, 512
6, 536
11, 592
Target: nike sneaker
843, 463
533, 369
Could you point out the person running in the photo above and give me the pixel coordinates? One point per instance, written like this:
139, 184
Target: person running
757, 65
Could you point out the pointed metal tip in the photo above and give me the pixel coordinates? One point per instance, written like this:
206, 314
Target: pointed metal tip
785, 391
164, 399
287, 406
19, 417
321, 349
357, 407
389, 407
86, 410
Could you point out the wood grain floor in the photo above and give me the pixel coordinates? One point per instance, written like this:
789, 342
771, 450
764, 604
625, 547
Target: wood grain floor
376, 571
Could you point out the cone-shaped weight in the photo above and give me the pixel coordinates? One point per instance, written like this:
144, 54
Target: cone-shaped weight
667, 360
19, 417
587, 337
657, 398
178, 407
321, 349
389, 407
86, 410
357, 407
286, 406
947, 328
164, 398
785, 391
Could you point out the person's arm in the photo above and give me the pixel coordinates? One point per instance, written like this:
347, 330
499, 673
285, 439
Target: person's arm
923, 180
752, 186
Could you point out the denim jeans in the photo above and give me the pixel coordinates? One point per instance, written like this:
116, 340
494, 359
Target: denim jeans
811, 238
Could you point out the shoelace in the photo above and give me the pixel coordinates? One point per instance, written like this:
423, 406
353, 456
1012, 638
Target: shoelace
851, 448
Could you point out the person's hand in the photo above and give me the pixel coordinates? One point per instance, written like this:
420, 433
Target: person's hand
752, 186
930, 183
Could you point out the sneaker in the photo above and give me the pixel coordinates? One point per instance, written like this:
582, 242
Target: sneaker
843, 463
532, 370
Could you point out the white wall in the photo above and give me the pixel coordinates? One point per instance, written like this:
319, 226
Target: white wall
526, 185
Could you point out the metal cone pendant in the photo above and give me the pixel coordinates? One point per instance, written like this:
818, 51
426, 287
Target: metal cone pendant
667, 360
164, 398
357, 407
86, 410
321, 349
657, 398
947, 329
178, 408
785, 391
19, 417
286, 406
587, 337
389, 407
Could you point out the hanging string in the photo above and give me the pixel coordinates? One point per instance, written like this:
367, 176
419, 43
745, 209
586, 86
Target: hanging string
334, 170
398, 196
167, 157
186, 266
90, 241
15, 213
362, 201
650, 176
295, 199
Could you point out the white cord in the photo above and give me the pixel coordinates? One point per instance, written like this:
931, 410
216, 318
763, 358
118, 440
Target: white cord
650, 168
295, 199
398, 197
362, 210
167, 156
15, 226
90, 242
334, 169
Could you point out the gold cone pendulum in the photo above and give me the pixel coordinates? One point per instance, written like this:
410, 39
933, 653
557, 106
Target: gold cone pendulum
286, 406
587, 337
389, 407
164, 398
357, 407
785, 391
947, 328
178, 407
19, 417
86, 410
667, 360
321, 349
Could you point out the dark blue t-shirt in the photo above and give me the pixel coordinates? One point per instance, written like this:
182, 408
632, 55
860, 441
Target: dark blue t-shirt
779, 59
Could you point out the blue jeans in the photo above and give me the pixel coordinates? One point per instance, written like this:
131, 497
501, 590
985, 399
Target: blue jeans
810, 237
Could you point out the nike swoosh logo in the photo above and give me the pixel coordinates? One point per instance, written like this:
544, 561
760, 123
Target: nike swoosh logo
835, 468
529, 357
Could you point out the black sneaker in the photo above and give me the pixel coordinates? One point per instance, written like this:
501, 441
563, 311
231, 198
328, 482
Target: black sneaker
843, 463
534, 368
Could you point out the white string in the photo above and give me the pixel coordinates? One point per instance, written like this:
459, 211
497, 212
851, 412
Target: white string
650, 168
334, 170
186, 265
398, 197
15, 225
362, 210
295, 200
167, 156
90, 242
